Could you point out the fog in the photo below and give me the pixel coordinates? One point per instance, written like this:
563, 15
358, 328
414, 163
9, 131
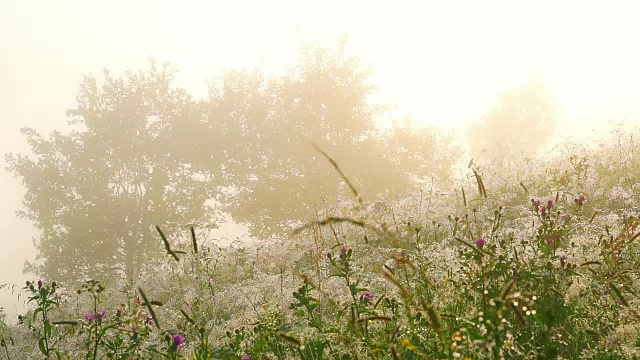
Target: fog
440, 65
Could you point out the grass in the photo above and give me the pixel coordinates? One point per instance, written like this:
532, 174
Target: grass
540, 261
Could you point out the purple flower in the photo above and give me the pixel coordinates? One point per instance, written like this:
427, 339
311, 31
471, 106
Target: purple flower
543, 211
99, 316
549, 241
367, 296
178, 340
344, 250
149, 320
246, 357
536, 203
481, 242
40, 283
550, 204
580, 200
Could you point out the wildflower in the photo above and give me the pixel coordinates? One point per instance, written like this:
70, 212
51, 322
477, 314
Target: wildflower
580, 200
246, 357
178, 340
550, 204
543, 211
367, 296
481, 242
344, 250
149, 320
549, 241
118, 312
40, 283
536, 203
99, 316
407, 343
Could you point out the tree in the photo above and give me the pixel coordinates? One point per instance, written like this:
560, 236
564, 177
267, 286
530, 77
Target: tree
519, 124
268, 125
96, 192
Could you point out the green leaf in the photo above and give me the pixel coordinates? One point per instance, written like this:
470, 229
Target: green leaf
43, 348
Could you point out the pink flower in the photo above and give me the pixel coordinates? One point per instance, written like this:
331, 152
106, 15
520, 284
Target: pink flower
178, 340
246, 357
149, 320
543, 211
367, 296
550, 204
481, 242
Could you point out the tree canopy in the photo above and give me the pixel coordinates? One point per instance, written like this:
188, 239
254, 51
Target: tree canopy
141, 152
96, 192
519, 124
268, 126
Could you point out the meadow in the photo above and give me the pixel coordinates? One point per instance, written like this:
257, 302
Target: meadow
521, 259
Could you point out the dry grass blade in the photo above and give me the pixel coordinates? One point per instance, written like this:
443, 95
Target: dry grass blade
464, 197
507, 289
149, 307
481, 188
342, 175
328, 221
619, 295
193, 239
166, 244
186, 316
524, 187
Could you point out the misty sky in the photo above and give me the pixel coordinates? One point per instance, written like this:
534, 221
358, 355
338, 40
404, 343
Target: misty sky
441, 64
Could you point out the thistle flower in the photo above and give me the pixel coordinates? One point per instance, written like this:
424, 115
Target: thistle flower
149, 320
543, 211
367, 296
580, 200
246, 357
481, 242
550, 204
178, 340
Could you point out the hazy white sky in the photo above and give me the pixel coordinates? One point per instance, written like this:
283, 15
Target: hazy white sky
442, 62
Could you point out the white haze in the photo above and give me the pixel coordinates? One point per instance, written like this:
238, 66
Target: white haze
441, 64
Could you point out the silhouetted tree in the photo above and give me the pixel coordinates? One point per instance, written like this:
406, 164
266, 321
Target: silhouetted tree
519, 124
96, 191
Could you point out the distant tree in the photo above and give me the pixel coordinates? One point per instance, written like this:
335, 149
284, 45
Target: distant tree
96, 192
267, 125
519, 124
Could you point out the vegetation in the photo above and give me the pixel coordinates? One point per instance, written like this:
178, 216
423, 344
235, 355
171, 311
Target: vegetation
142, 152
512, 259
541, 265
